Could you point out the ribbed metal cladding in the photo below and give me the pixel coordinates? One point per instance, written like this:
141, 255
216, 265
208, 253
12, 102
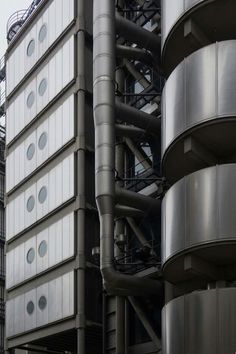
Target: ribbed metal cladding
199, 162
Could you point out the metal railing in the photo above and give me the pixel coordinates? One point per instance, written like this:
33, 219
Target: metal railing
17, 19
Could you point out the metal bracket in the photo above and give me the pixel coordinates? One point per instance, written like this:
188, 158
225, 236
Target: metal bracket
196, 151
80, 202
80, 262
199, 267
80, 321
80, 143
195, 34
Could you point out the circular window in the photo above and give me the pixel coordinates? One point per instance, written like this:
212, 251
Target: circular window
42, 140
42, 248
42, 87
30, 256
42, 195
42, 33
30, 151
42, 302
30, 99
30, 203
31, 48
30, 307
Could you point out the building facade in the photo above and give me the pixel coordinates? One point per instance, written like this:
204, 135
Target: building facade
120, 166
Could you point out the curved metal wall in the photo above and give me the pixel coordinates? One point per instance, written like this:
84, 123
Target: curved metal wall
200, 92
199, 211
201, 322
188, 25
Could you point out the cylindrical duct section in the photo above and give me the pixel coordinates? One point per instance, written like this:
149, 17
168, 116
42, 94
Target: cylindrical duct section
188, 25
199, 323
199, 227
199, 111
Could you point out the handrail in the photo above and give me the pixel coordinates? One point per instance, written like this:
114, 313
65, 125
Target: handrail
18, 18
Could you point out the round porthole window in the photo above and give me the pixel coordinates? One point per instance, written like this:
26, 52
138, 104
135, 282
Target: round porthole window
42, 248
42, 87
42, 303
42, 33
42, 195
42, 140
30, 307
30, 203
30, 99
31, 48
30, 256
30, 151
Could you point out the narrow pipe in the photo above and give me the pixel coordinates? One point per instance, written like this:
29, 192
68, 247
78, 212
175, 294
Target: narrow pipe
138, 35
136, 117
104, 121
140, 154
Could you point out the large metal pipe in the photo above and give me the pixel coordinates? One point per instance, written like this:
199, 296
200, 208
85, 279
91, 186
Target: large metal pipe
130, 132
104, 121
134, 53
137, 200
136, 117
138, 35
81, 183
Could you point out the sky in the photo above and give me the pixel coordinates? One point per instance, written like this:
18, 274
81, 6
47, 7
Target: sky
6, 10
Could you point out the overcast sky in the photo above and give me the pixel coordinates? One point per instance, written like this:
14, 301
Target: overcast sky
7, 9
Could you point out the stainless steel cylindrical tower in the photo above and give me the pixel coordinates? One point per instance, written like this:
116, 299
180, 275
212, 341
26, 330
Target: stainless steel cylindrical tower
199, 162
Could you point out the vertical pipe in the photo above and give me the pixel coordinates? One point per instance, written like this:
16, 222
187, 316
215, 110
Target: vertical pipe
80, 181
120, 226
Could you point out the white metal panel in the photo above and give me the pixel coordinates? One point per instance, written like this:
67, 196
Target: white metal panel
30, 216
42, 154
10, 259
42, 262
19, 217
59, 238
30, 319
19, 314
10, 213
30, 165
42, 208
30, 268
59, 129
57, 307
10, 310
58, 73
59, 183
56, 18
55, 302
42, 314
68, 294
19, 264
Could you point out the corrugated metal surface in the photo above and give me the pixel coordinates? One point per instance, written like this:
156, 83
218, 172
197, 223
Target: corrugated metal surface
44, 33
48, 193
41, 90
51, 246
40, 306
55, 132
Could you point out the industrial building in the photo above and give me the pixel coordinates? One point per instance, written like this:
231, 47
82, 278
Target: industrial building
120, 167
